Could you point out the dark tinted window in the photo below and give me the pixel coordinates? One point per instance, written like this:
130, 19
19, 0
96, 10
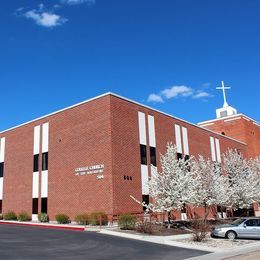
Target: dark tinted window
252, 222
1, 169
145, 200
183, 210
143, 154
45, 161
179, 156
0, 206
35, 206
187, 157
153, 155
44, 205
36, 163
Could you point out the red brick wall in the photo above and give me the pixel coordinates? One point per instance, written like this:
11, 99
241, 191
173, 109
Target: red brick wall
241, 129
104, 130
78, 137
126, 149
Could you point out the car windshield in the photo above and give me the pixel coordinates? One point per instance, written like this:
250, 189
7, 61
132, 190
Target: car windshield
237, 222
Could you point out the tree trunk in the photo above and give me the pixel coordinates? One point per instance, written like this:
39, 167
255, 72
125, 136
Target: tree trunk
221, 209
206, 212
169, 219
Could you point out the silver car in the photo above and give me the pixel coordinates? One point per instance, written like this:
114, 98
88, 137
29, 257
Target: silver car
240, 228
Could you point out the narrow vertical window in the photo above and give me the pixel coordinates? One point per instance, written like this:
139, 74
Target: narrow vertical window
1, 169
45, 161
145, 200
36, 163
184, 209
35, 206
186, 158
143, 154
179, 156
153, 155
0, 206
44, 205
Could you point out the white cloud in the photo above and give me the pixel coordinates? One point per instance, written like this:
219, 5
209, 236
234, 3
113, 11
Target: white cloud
43, 17
155, 98
177, 91
77, 2
46, 19
206, 84
201, 94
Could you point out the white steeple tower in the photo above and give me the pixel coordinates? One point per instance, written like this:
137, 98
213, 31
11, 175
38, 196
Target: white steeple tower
226, 110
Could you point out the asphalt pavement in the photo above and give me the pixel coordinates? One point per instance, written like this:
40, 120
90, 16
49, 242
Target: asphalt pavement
39, 243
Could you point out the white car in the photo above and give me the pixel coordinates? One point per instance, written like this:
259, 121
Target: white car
240, 228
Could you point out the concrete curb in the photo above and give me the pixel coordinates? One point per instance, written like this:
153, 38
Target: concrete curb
215, 253
43, 225
164, 240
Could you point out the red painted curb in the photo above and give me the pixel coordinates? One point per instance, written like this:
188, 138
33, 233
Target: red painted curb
43, 226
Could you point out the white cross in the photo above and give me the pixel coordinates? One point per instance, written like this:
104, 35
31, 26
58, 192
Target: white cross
224, 93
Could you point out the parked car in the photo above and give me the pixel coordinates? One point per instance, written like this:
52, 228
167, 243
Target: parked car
240, 228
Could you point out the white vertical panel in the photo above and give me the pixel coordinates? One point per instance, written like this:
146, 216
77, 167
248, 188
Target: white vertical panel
44, 186
144, 175
2, 149
185, 141
178, 138
151, 131
212, 148
184, 216
35, 188
45, 137
34, 217
142, 128
218, 150
36, 140
1, 188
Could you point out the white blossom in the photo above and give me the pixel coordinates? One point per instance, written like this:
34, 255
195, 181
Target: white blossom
171, 188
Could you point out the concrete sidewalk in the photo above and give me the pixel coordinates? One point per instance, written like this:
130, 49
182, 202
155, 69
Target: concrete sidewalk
250, 251
245, 252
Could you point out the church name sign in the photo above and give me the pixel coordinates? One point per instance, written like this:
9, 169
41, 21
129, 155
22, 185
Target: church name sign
92, 169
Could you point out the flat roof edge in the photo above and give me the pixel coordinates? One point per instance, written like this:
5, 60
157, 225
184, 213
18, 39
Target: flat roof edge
56, 112
123, 98
166, 114
227, 117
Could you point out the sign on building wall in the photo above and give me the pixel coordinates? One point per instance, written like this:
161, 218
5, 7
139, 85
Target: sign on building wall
92, 169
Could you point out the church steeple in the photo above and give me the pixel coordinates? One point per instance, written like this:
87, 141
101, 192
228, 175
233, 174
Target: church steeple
226, 110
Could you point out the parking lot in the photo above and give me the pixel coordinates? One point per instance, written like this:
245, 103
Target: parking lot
39, 243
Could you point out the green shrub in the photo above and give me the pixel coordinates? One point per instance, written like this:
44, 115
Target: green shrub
10, 215
1, 216
43, 217
24, 216
127, 221
62, 219
95, 216
82, 219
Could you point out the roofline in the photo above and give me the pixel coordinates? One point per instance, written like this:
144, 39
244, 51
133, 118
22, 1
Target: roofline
227, 117
174, 117
123, 98
56, 112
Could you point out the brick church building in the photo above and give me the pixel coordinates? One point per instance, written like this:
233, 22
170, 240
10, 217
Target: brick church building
94, 155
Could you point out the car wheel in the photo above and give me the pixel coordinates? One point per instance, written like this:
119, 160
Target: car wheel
231, 235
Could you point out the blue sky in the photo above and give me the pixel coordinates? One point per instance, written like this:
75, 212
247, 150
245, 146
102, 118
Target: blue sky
167, 54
